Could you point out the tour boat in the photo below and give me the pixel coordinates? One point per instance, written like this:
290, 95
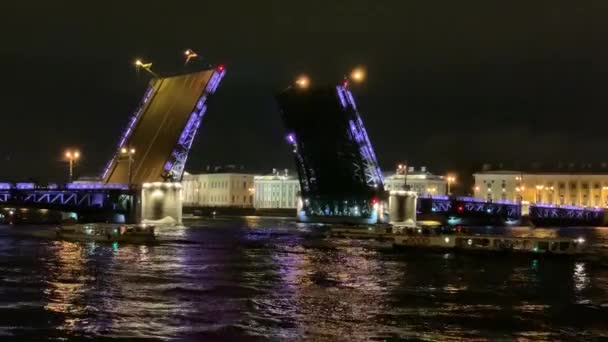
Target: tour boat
107, 233
361, 232
492, 244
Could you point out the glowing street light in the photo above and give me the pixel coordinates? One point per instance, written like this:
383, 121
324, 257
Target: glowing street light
539, 188
450, 179
146, 66
129, 152
72, 157
189, 53
358, 75
303, 82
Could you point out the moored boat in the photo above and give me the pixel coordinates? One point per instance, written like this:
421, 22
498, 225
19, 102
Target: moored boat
107, 233
362, 232
492, 244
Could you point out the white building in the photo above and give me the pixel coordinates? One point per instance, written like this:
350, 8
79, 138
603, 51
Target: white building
580, 189
277, 190
421, 181
218, 190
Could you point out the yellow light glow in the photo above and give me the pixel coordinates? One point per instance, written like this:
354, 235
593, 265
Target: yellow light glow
138, 62
303, 82
132, 151
68, 155
358, 74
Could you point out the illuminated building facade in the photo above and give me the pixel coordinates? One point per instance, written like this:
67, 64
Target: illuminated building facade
218, 190
579, 189
277, 190
420, 181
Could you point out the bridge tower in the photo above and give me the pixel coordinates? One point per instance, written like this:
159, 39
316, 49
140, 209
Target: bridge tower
340, 179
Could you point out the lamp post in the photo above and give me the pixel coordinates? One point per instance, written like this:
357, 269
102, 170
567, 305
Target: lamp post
550, 195
539, 188
189, 53
520, 190
450, 179
72, 157
129, 152
146, 66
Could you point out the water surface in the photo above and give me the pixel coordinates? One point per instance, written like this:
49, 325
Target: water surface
267, 279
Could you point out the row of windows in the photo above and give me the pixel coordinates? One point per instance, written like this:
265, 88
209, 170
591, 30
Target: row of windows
560, 185
224, 199
222, 185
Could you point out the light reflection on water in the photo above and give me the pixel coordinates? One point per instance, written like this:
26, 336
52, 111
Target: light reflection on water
267, 279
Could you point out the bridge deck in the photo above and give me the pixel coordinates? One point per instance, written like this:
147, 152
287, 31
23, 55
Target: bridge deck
165, 112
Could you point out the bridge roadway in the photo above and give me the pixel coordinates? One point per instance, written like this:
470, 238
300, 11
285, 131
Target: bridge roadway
162, 129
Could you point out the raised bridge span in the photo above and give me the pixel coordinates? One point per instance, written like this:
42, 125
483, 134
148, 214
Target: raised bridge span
162, 129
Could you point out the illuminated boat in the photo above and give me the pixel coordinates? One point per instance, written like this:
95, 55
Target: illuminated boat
492, 244
362, 232
107, 233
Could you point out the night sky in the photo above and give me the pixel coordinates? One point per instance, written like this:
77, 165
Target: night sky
450, 84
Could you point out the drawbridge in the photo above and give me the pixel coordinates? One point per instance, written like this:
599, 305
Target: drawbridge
155, 145
340, 179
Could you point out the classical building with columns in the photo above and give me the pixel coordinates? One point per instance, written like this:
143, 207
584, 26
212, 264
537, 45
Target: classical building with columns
580, 189
421, 181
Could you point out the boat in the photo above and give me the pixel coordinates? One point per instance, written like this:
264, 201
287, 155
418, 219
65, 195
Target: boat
362, 232
143, 233
491, 243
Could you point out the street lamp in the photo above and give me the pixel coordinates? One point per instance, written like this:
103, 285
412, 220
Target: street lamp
129, 152
189, 53
146, 66
358, 75
539, 188
72, 157
303, 82
450, 179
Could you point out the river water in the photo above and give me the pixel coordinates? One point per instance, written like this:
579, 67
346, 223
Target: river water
267, 279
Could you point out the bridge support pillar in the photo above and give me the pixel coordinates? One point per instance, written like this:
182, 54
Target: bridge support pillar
402, 208
161, 202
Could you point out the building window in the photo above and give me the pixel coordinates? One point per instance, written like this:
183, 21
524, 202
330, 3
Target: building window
573, 185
